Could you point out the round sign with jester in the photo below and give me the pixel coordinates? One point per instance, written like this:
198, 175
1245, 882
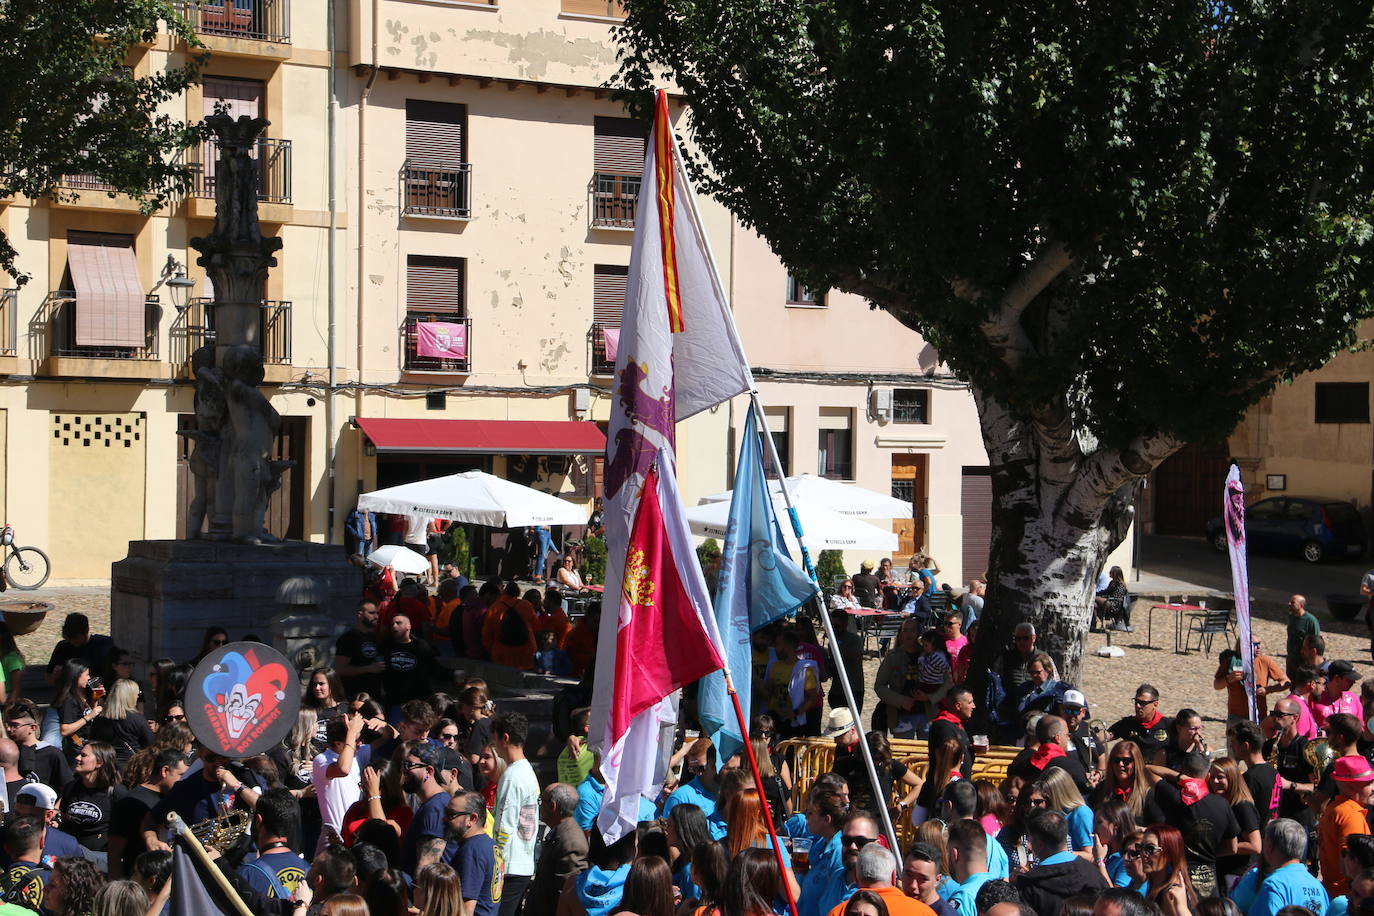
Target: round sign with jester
242, 699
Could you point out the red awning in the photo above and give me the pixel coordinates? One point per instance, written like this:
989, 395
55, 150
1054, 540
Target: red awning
485, 437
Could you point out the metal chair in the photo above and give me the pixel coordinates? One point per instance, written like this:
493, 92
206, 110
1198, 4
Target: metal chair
1207, 626
879, 629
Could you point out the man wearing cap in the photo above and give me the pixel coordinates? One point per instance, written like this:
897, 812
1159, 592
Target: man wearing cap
866, 585
1337, 697
37, 800
1269, 677
1347, 814
1082, 743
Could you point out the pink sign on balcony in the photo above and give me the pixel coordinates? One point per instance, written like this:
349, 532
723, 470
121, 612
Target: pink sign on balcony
612, 336
441, 339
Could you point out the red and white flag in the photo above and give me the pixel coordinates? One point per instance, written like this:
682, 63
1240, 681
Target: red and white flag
677, 354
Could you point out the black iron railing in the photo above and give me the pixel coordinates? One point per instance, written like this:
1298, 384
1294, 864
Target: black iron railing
195, 326
84, 181
433, 188
410, 344
601, 363
273, 158
61, 308
612, 199
259, 20
9, 322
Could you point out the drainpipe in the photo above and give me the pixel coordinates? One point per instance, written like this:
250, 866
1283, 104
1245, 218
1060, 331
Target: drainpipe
331, 436
362, 222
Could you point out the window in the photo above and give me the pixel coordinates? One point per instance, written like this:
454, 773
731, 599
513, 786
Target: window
1342, 402
617, 165
105, 308
911, 405
436, 327
835, 444
435, 177
777, 418
608, 303
800, 295
610, 9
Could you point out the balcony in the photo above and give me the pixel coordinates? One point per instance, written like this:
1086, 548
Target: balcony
598, 360
52, 334
273, 173
412, 361
244, 20
194, 328
9, 331
442, 190
93, 193
612, 200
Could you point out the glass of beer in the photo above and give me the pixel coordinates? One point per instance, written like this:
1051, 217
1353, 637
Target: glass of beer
801, 854
97, 688
980, 744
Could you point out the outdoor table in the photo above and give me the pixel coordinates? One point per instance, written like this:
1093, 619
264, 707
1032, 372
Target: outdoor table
1178, 610
866, 617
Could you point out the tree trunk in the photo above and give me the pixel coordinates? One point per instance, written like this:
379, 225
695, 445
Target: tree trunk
1049, 540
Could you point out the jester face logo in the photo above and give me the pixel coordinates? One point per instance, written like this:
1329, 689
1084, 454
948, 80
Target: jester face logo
242, 698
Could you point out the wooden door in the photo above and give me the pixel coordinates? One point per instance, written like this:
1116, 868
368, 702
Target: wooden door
909, 482
1188, 489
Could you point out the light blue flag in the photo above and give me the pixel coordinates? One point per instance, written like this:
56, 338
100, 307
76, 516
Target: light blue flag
759, 583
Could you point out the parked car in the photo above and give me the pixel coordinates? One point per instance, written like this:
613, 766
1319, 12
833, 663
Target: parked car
1315, 529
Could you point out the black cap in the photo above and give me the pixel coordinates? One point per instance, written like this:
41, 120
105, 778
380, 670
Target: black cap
1342, 668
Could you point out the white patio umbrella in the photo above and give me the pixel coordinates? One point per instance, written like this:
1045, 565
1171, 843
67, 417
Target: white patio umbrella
844, 498
401, 559
477, 497
823, 529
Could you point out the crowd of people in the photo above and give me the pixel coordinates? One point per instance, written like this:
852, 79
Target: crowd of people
405, 788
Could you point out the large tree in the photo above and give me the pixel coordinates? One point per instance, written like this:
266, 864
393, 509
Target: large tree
1121, 223
71, 103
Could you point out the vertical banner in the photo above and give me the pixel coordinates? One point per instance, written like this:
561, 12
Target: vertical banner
1234, 512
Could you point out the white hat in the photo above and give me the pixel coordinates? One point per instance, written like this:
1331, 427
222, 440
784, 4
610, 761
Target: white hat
38, 795
838, 722
1074, 698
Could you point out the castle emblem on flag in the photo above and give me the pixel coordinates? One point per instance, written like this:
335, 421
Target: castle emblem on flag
639, 588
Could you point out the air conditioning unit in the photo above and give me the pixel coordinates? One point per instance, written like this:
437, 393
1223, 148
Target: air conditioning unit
880, 400
582, 402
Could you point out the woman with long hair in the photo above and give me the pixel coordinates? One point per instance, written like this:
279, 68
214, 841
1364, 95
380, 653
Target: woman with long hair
863, 794
752, 883
120, 724
1225, 779
490, 766
686, 830
387, 895
865, 903
11, 666
344, 905
214, 638
474, 722
382, 799
1014, 838
155, 700
1166, 868
745, 829
1135, 861
648, 888
946, 763
324, 693
1126, 778
709, 866
75, 707
437, 892
1112, 825
1057, 786
88, 801
120, 898
774, 789
72, 887
993, 810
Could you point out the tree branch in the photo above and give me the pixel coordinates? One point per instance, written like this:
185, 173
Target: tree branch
1003, 328
1106, 471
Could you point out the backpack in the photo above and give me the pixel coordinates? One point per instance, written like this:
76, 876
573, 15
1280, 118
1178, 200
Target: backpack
514, 630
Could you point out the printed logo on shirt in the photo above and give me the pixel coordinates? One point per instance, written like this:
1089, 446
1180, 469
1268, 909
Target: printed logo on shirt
288, 877
401, 661
83, 812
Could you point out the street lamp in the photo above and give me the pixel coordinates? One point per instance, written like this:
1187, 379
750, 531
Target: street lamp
179, 285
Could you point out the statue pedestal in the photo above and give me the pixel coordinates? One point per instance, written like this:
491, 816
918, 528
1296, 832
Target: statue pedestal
164, 594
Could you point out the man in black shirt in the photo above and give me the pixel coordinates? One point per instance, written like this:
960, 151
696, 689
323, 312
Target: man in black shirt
1287, 749
127, 823
1207, 822
1247, 744
866, 585
1083, 744
77, 642
38, 764
1185, 737
412, 666
1051, 753
950, 723
1148, 727
358, 654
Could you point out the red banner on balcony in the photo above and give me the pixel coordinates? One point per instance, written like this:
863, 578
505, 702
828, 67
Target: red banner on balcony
441, 339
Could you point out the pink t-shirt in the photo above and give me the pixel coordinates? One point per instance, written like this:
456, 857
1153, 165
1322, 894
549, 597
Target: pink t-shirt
1307, 726
955, 645
1347, 702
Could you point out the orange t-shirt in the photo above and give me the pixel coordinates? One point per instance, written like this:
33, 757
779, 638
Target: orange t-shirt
557, 622
1267, 671
580, 645
1342, 817
521, 656
898, 904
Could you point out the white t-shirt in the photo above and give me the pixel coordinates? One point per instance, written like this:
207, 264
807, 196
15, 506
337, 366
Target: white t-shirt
516, 817
417, 527
335, 795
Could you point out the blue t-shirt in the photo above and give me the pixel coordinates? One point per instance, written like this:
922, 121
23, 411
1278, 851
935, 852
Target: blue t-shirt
998, 863
682, 880
1080, 822
427, 822
1291, 885
58, 844
600, 891
964, 900
693, 792
1116, 869
946, 887
475, 862
589, 795
824, 880
1339, 907
286, 867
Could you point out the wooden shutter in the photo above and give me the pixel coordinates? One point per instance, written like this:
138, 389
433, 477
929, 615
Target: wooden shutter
608, 293
975, 505
434, 284
619, 146
434, 131
109, 294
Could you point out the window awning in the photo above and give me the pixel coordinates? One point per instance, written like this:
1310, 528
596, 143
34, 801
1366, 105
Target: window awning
484, 437
109, 295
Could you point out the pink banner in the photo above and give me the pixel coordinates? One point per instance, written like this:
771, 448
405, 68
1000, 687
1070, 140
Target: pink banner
1233, 507
441, 339
612, 340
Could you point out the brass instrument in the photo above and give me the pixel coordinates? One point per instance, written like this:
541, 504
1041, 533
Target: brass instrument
1318, 755
222, 831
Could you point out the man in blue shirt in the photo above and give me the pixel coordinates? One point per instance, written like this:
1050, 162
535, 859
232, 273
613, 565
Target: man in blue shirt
419, 772
960, 800
277, 869
967, 849
592, 789
474, 859
701, 791
1288, 883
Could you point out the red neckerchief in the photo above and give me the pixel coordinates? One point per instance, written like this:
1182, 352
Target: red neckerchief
947, 716
1193, 789
1123, 794
1153, 722
1046, 752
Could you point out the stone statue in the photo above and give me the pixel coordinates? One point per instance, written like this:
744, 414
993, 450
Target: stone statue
236, 425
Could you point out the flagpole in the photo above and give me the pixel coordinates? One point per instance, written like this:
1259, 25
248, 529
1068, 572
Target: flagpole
841, 672
180, 829
758, 784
